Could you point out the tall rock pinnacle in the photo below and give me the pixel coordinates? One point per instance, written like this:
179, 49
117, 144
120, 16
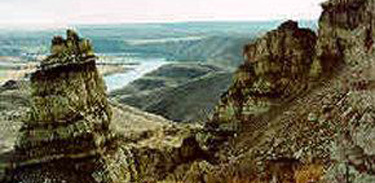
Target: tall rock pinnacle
67, 126
67, 137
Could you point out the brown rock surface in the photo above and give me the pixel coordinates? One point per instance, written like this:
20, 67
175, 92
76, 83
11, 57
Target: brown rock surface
273, 125
329, 126
276, 69
70, 133
68, 124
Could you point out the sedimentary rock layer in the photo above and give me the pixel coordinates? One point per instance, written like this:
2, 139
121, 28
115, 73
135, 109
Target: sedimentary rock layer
67, 126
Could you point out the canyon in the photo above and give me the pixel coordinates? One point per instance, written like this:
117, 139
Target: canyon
299, 109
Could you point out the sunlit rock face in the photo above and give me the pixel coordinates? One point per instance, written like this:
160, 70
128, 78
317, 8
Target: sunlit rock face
325, 133
71, 135
277, 68
346, 27
69, 50
346, 38
67, 126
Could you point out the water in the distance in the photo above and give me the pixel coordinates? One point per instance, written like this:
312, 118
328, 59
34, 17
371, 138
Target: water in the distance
119, 80
138, 45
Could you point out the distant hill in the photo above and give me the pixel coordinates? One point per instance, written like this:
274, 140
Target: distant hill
184, 92
219, 42
221, 50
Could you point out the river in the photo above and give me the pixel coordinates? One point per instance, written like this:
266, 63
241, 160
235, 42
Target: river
120, 80
137, 69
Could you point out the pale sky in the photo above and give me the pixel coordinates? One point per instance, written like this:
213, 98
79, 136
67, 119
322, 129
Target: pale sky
65, 12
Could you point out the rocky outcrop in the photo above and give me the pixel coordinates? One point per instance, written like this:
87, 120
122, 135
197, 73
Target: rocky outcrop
73, 134
294, 133
343, 25
300, 110
67, 127
347, 33
276, 69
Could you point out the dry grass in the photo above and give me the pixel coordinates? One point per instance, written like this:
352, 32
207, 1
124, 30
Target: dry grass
312, 173
309, 173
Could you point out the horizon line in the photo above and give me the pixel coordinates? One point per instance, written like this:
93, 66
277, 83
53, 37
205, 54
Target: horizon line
63, 25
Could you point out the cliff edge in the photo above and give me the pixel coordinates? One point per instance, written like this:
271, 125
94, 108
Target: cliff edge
301, 106
72, 133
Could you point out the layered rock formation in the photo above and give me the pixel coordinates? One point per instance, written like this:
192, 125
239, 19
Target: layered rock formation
67, 126
300, 110
276, 69
344, 24
71, 134
294, 133
347, 29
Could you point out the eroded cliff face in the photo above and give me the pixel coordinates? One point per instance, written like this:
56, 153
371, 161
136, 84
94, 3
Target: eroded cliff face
300, 110
347, 32
276, 69
68, 124
346, 28
319, 133
73, 134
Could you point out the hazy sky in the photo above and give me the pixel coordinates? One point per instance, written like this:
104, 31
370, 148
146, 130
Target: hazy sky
121, 11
